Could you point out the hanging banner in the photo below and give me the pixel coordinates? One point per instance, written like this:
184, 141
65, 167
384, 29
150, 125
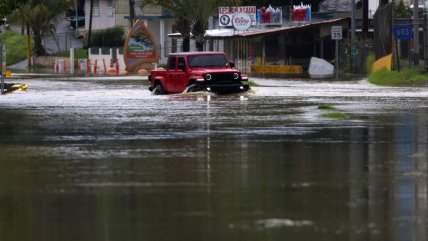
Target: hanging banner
262, 16
225, 14
140, 47
269, 16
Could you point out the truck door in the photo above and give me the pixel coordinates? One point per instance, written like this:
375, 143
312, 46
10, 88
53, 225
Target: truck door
170, 74
181, 75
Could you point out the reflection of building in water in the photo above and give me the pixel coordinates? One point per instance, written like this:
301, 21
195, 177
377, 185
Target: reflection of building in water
388, 192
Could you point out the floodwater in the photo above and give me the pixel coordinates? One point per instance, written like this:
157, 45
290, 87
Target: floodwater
103, 159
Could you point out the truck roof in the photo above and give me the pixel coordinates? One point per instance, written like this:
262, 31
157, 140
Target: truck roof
195, 53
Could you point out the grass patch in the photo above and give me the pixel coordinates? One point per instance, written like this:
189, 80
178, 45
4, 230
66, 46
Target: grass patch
332, 113
16, 46
393, 78
252, 83
335, 115
78, 54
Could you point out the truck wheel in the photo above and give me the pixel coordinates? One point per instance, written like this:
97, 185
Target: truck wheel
157, 90
191, 88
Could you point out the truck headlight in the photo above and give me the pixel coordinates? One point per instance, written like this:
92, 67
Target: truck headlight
235, 76
208, 77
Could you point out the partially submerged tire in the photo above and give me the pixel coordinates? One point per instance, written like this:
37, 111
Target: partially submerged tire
158, 90
192, 88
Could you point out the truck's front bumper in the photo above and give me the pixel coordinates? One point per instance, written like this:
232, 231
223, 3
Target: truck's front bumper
223, 88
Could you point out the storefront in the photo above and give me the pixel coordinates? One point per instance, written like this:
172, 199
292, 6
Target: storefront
284, 49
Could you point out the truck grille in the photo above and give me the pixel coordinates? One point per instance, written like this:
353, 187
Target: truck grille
220, 77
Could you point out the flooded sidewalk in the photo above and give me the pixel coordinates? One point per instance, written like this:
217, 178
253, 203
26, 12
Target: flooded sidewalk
101, 158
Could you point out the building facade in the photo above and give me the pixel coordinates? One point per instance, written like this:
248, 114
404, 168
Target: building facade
110, 13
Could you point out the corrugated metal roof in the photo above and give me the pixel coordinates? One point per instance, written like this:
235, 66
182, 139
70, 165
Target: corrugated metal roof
259, 32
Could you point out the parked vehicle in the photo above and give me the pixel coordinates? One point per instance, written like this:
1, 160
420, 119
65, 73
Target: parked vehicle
198, 71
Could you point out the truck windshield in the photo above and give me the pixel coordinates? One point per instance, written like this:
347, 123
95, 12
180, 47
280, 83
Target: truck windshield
209, 60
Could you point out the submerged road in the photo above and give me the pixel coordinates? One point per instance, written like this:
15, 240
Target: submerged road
103, 159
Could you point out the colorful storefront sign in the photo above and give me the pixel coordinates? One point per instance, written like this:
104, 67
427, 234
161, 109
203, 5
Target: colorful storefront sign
269, 16
140, 47
241, 21
301, 13
262, 16
225, 14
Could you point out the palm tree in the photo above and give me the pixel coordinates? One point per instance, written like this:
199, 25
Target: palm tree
184, 27
40, 16
8, 6
191, 15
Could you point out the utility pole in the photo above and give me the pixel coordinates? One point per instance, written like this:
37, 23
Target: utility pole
90, 24
415, 32
131, 12
28, 42
365, 18
353, 35
353, 16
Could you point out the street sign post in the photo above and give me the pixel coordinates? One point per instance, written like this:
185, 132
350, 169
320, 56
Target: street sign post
402, 31
336, 34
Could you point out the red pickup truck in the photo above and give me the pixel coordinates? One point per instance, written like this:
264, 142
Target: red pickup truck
197, 71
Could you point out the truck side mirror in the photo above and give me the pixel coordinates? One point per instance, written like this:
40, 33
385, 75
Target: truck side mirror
232, 65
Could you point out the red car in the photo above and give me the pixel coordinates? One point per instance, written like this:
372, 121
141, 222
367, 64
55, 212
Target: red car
198, 71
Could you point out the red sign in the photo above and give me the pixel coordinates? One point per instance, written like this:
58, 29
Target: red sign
226, 14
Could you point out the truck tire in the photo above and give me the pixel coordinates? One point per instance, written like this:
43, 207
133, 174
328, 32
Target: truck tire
191, 88
157, 90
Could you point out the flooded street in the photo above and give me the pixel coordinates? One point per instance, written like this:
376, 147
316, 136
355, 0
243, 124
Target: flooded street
103, 159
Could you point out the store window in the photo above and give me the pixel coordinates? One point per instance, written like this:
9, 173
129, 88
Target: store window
96, 8
110, 8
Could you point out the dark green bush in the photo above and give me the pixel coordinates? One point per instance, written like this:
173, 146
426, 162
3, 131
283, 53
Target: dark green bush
111, 37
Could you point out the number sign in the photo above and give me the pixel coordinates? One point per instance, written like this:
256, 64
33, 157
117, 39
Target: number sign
336, 32
402, 31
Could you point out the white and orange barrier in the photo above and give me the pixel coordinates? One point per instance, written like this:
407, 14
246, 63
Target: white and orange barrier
60, 66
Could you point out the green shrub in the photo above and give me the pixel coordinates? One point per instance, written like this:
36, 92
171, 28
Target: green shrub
16, 46
394, 78
371, 58
111, 37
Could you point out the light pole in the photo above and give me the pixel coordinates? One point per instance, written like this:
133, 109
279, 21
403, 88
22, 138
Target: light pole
415, 32
353, 36
131, 12
90, 24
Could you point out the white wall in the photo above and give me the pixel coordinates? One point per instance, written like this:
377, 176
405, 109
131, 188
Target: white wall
373, 5
99, 22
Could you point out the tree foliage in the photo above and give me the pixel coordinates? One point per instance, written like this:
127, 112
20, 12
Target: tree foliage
111, 37
40, 16
192, 14
401, 11
8, 6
